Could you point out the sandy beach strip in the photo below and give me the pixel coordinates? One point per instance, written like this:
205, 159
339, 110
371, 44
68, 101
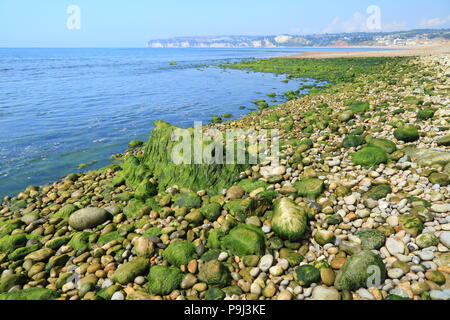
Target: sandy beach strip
398, 52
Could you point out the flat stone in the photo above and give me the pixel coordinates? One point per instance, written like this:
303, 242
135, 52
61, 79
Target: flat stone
445, 239
395, 246
325, 293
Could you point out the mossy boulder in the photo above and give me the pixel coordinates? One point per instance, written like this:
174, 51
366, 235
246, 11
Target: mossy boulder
108, 237
370, 157
353, 141
444, 141
241, 209
11, 280
244, 240
346, 116
21, 253
371, 239
426, 240
408, 133
188, 200
57, 242
135, 209
128, 271
215, 238
411, 224
80, 241
425, 114
441, 179
179, 253
289, 220
214, 273
66, 211
358, 269
214, 294
145, 190
378, 192
10, 243
211, 211
163, 280
385, 144
88, 218
324, 237
309, 188
30, 294
359, 107
251, 185
307, 275
164, 159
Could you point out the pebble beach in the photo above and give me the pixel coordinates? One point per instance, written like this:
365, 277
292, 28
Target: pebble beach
358, 208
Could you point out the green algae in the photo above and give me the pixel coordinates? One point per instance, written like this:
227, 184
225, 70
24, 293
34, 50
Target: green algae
370, 157
179, 253
244, 240
157, 161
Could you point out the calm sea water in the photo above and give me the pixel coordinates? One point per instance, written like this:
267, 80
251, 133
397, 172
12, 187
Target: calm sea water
63, 107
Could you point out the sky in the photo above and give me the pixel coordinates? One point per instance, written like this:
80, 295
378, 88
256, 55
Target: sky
131, 23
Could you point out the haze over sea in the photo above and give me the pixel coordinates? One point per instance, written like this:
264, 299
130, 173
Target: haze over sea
63, 107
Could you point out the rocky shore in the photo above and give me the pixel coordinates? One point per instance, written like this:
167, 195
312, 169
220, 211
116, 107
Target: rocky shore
358, 208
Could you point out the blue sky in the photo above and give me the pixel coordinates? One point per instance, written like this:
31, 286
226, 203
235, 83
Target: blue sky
131, 23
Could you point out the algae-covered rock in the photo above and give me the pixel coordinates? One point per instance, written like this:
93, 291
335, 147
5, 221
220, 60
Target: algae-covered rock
309, 188
21, 253
411, 224
244, 240
11, 280
214, 273
241, 209
57, 242
441, 179
30, 294
428, 157
371, 239
163, 280
361, 270
135, 208
180, 253
88, 218
352, 141
426, 240
346, 116
80, 241
145, 190
214, 294
66, 211
188, 200
386, 145
215, 238
370, 157
407, 133
425, 114
444, 141
164, 159
323, 237
378, 192
10, 243
211, 211
307, 275
128, 271
289, 220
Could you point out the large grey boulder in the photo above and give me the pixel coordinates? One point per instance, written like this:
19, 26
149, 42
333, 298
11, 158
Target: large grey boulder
88, 218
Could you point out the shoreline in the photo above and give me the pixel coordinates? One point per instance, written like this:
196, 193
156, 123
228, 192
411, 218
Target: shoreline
398, 52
